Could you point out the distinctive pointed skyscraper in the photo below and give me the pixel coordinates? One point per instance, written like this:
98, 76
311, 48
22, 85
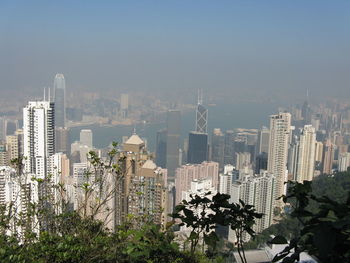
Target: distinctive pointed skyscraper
201, 115
59, 98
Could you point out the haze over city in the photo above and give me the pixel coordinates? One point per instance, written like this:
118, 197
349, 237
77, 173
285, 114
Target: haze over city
175, 131
225, 47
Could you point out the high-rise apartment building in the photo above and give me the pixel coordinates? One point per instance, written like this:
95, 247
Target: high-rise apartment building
38, 136
60, 100
189, 172
20, 192
306, 155
4, 160
328, 157
14, 145
173, 142
142, 191
344, 162
278, 151
256, 190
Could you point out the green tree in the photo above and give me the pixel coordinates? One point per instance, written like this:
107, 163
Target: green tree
324, 234
202, 214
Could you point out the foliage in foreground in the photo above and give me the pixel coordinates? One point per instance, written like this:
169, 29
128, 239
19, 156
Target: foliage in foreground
84, 240
201, 215
324, 233
335, 187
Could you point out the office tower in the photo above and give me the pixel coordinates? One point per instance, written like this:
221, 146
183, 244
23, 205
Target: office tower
161, 148
189, 172
242, 160
38, 136
60, 100
11, 126
229, 150
197, 147
257, 190
218, 147
328, 157
240, 144
278, 151
62, 140
344, 162
263, 140
306, 154
201, 115
261, 162
173, 142
306, 110
86, 137
2, 128
124, 105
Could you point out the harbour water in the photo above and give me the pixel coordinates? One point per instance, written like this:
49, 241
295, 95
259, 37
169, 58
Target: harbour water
224, 116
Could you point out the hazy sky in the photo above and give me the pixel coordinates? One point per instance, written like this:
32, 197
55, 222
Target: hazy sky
274, 46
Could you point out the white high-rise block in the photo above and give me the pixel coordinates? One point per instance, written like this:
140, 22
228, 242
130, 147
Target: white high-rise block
306, 154
278, 151
38, 136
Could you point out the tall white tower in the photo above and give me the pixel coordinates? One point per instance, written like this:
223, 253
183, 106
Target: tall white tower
306, 154
278, 150
38, 136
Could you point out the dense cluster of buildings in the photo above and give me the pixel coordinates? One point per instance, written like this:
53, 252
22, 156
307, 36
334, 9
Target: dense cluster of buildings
248, 164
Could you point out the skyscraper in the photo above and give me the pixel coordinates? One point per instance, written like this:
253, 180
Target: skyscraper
229, 150
62, 140
278, 151
263, 140
218, 147
161, 148
173, 142
328, 157
38, 136
124, 105
201, 115
60, 100
86, 137
306, 154
197, 147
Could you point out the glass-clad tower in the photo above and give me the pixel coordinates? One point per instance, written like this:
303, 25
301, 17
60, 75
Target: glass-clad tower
59, 98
